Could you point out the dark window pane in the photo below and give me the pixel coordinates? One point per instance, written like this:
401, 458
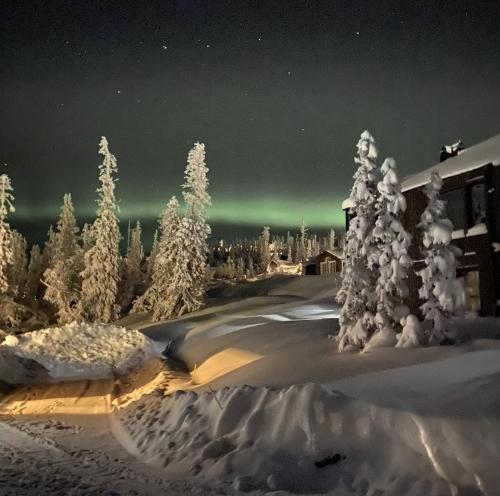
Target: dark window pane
478, 204
455, 207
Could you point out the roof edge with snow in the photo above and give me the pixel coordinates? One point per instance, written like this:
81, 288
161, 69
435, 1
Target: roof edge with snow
484, 153
474, 157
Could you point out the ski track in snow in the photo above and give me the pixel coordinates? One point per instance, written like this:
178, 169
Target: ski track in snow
58, 451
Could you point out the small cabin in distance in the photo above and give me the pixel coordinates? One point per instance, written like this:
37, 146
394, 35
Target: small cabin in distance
471, 188
327, 262
277, 265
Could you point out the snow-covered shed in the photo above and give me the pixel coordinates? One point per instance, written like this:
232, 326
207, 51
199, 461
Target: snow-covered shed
471, 188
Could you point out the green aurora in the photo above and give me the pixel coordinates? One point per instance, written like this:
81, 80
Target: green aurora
278, 213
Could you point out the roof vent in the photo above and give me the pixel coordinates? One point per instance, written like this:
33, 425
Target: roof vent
448, 151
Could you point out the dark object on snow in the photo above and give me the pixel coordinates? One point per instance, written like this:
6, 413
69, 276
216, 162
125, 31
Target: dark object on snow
329, 460
450, 150
447, 341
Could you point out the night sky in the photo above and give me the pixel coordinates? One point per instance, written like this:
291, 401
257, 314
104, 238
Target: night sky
278, 91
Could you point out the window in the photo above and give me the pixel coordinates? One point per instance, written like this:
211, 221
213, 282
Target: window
477, 204
466, 207
472, 292
329, 266
455, 207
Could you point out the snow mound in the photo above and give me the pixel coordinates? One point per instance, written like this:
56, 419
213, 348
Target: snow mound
75, 351
311, 439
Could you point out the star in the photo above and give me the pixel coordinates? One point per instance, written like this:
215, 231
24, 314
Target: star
208, 46
260, 39
118, 91
164, 47
357, 33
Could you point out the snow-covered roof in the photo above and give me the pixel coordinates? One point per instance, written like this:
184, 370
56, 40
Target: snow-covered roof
486, 152
336, 253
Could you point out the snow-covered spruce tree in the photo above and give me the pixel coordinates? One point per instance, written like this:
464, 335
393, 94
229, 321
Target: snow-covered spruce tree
390, 254
265, 253
186, 289
161, 263
18, 269
229, 269
250, 270
289, 257
61, 278
357, 293
133, 262
332, 240
132, 266
150, 261
100, 276
443, 294
86, 237
240, 268
35, 272
6, 206
309, 248
302, 243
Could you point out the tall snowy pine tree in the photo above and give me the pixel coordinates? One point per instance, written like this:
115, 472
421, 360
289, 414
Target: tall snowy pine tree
390, 255
161, 265
102, 260
62, 278
357, 293
188, 277
442, 293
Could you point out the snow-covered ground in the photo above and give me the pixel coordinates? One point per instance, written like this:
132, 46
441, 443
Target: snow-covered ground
268, 405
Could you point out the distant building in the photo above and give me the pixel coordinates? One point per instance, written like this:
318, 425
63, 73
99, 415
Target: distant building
471, 188
327, 262
277, 265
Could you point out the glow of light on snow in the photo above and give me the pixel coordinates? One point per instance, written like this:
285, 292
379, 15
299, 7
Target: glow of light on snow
274, 212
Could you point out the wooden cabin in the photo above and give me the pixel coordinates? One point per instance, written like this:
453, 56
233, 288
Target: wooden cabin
471, 188
327, 262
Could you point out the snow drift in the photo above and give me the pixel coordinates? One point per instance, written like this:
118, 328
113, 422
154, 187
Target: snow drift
312, 439
74, 351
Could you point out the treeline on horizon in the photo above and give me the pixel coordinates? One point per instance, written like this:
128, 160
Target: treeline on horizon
82, 274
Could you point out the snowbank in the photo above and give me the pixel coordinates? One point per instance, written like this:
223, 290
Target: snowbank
312, 439
75, 351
